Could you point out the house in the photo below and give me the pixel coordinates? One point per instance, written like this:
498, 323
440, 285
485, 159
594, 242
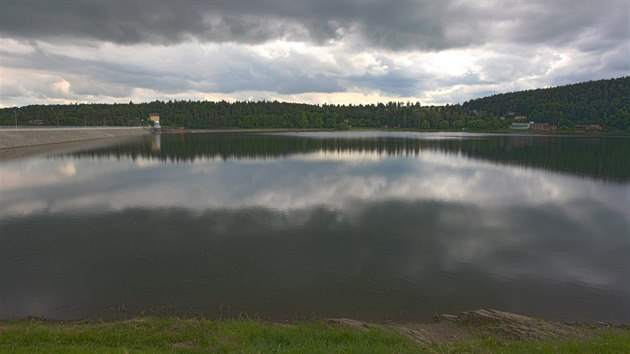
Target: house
520, 119
155, 118
543, 126
521, 125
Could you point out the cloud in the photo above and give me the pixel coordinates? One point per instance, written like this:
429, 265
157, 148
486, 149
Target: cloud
228, 69
398, 25
303, 51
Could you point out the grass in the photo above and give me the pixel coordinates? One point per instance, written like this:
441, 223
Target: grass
195, 336
604, 342
156, 334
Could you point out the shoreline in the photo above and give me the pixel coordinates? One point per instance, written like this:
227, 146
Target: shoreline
469, 316
479, 317
469, 331
29, 137
24, 142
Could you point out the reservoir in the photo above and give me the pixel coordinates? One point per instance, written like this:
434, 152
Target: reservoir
375, 226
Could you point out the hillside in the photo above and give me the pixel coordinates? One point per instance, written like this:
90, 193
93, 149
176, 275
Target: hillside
605, 102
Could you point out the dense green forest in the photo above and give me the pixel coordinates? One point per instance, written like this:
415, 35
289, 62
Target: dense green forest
605, 102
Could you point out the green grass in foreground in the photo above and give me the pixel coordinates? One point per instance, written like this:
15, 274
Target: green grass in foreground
191, 335
251, 336
604, 342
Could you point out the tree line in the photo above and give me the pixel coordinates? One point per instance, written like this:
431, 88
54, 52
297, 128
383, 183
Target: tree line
602, 102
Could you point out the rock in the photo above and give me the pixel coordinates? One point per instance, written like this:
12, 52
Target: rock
418, 335
470, 324
347, 322
516, 326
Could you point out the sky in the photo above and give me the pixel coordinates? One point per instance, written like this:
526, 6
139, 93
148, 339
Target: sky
312, 51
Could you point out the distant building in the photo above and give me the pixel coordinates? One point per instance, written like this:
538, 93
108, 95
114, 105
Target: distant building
521, 125
520, 119
35, 122
543, 126
155, 118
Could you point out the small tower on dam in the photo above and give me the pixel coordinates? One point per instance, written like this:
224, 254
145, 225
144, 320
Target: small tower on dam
155, 118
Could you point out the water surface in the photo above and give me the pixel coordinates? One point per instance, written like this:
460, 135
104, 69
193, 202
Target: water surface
369, 225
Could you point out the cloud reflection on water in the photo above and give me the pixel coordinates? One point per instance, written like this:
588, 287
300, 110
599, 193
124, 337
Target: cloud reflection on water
425, 227
296, 182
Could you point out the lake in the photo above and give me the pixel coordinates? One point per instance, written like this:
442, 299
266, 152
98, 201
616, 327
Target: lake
284, 226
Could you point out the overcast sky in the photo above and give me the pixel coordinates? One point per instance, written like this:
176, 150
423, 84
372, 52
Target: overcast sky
315, 51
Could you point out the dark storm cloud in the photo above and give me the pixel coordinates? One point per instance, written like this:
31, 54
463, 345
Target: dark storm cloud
395, 25
563, 21
138, 21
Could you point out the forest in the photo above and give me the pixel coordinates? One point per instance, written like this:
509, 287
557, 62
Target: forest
603, 102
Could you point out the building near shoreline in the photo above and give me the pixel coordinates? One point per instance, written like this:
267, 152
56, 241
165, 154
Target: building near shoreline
543, 126
155, 118
521, 125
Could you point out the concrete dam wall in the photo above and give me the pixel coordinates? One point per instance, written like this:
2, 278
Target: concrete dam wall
14, 138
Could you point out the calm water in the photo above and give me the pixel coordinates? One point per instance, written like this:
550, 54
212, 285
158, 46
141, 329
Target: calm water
374, 226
